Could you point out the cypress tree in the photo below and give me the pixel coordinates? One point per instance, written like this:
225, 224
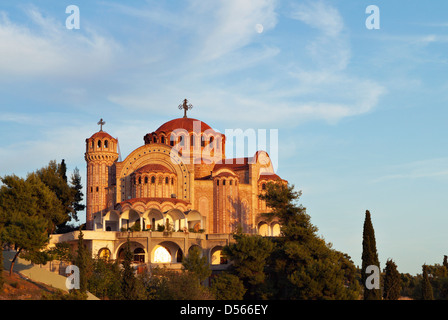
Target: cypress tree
427, 293
369, 258
130, 289
84, 262
392, 281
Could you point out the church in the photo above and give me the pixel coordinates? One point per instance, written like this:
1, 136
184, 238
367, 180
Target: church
178, 190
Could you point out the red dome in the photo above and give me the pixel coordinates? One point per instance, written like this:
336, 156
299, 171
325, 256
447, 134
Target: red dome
152, 168
183, 123
101, 135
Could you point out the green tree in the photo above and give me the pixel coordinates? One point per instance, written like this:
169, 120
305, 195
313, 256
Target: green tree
131, 288
197, 264
392, 281
172, 285
302, 265
78, 195
369, 257
227, 286
29, 211
249, 255
84, 262
105, 280
55, 177
427, 292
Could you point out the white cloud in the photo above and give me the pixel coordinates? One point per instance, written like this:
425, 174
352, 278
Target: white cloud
46, 49
424, 169
231, 26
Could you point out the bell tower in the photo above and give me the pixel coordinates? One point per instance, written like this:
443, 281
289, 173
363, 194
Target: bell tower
101, 155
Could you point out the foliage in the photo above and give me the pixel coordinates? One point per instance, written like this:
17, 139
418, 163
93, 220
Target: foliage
392, 281
302, 265
227, 286
29, 210
369, 257
197, 264
61, 251
131, 289
84, 262
78, 195
105, 282
70, 195
427, 292
249, 255
171, 285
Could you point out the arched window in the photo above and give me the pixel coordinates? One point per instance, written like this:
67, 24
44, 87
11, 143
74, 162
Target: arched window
154, 139
162, 139
172, 180
263, 186
99, 143
202, 141
139, 180
153, 179
166, 180
211, 140
139, 255
192, 140
146, 179
105, 143
172, 139
104, 253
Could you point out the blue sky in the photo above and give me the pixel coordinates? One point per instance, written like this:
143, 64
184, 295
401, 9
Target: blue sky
361, 114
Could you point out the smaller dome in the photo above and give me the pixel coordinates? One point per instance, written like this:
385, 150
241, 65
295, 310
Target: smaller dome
101, 135
153, 168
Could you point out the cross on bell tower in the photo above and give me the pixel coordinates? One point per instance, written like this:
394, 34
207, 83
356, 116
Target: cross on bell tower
101, 123
186, 107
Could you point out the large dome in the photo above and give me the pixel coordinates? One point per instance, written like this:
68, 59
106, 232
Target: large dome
183, 123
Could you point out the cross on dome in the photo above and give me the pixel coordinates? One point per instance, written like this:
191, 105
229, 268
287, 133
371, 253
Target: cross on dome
101, 123
186, 107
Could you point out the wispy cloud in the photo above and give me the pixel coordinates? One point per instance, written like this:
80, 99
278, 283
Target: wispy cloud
45, 49
424, 169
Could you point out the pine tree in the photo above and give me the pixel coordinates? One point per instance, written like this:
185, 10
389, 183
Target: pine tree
392, 281
84, 262
302, 265
131, 289
249, 256
427, 292
369, 258
196, 264
227, 286
78, 195
29, 211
